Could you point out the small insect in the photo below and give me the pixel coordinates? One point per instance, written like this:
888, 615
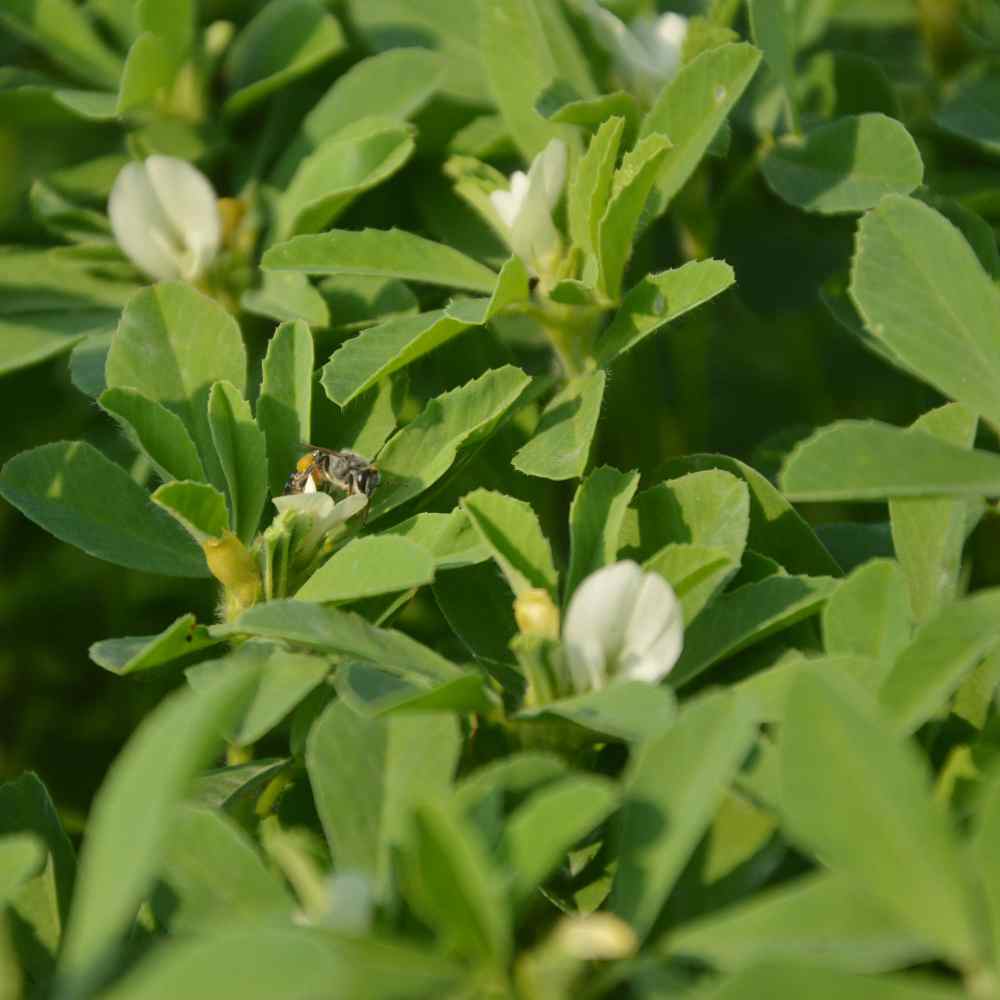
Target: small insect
344, 470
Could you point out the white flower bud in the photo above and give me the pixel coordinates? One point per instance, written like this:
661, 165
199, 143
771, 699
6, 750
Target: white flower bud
526, 208
165, 217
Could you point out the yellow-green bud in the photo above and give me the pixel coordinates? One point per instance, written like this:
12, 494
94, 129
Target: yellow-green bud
233, 566
536, 614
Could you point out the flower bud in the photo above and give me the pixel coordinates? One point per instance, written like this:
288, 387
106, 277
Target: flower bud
592, 936
536, 613
525, 210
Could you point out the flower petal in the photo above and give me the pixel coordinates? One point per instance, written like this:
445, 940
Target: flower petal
190, 203
655, 635
552, 167
601, 607
588, 667
135, 213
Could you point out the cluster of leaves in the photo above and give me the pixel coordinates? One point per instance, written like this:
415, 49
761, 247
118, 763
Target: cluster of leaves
810, 806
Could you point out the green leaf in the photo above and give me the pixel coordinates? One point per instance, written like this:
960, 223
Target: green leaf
381, 350
450, 538
693, 107
366, 567
450, 27
200, 509
285, 403
695, 572
135, 653
175, 25
287, 39
212, 876
824, 918
943, 652
31, 337
971, 112
510, 530
868, 460
921, 290
659, 299
423, 451
232, 787
81, 497
36, 906
331, 631
149, 70
259, 963
983, 851
477, 605
519, 65
868, 614
286, 296
172, 345
570, 62
709, 508
283, 679
590, 185
673, 788
242, 452
773, 30
390, 253
21, 856
159, 432
450, 880
356, 302
630, 187
368, 775
745, 616
777, 530
391, 85
86, 363
339, 170
541, 832
560, 102
625, 710
845, 166
62, 30
596, 517
560, 446
129, 826
838, 763
928, 535
373, 692
818, 982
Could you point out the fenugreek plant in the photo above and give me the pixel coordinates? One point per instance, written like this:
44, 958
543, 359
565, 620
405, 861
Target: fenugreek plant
416, 325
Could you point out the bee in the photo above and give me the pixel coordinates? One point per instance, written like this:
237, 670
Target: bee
344, 470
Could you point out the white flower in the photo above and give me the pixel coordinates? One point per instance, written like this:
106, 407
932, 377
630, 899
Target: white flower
322, 512
526, 209
647, 53
165, 217
622, 624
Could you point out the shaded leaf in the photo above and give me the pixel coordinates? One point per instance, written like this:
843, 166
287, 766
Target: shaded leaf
74, 492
